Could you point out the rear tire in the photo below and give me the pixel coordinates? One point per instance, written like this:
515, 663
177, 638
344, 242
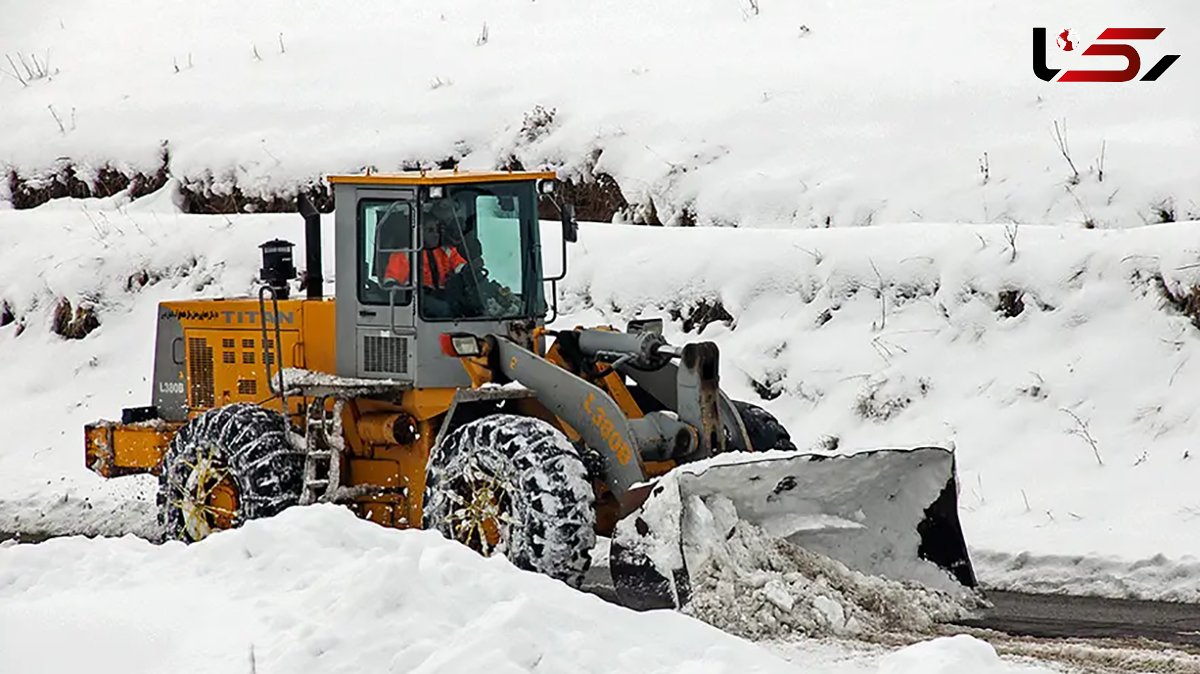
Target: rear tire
515, 485
764, 429
227, 466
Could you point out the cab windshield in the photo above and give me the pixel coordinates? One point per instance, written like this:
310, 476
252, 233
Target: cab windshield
480, 258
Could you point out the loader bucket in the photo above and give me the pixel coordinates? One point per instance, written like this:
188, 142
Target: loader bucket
890, 513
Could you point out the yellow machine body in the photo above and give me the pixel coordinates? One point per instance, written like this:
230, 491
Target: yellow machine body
224, 364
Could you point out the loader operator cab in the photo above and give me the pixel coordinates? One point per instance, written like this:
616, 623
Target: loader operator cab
477, 257
434, 253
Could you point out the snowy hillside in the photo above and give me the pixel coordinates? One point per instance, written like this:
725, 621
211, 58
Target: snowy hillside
859, 338
760, 113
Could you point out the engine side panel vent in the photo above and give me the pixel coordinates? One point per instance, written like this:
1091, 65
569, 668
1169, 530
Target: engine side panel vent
200, 372
385, 354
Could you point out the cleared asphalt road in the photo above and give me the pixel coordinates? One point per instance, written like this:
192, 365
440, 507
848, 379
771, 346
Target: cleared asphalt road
1050, 615
1047, 615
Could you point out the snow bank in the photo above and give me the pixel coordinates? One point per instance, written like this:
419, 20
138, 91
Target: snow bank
889, 336
762, 114
1157, 577
952, 655
317, 589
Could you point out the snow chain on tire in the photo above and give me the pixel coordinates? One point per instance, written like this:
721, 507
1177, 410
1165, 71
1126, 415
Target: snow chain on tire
246, 446
544, 498
764, 429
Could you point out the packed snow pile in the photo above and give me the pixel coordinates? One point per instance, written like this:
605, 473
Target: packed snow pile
759, 586
707, 111
318, 590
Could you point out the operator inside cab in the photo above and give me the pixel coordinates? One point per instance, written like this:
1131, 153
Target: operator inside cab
440, 264
461, 230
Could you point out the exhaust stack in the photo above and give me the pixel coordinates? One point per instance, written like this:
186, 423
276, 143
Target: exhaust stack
313, 280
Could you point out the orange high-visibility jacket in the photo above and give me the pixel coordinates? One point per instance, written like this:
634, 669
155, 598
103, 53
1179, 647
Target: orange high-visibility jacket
445, 260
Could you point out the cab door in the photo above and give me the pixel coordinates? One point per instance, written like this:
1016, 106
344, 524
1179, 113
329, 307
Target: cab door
376, 283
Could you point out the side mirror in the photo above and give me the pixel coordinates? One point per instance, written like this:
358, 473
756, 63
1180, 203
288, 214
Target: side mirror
569, 225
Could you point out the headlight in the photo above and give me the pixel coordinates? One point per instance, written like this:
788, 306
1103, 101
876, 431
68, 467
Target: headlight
460, 345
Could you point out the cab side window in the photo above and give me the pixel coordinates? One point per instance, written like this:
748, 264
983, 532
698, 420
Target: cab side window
385, 233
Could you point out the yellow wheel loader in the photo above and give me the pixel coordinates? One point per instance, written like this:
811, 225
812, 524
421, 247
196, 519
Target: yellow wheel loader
430, 393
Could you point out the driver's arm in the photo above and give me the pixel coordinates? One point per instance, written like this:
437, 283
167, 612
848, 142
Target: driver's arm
398, 268
456, 260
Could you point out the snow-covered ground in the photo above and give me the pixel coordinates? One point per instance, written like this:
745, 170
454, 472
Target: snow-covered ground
794, 113
888, 336
317, 590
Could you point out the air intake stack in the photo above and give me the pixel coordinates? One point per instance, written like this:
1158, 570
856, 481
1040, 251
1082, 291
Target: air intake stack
313, 280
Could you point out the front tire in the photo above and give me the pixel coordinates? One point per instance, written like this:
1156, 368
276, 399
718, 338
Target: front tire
514, 485
227, 466
764, 429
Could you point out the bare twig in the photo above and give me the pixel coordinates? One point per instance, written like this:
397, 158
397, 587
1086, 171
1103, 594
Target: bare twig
28, 71
15, 71
282, 49
1088, 221
985, 168
62, 129
254, 48
1179, 367
483, 36
1081, 429
817, 256
1100, 162
882, 297
1026, 498
38, 68
885, 349
1010, 235
1060, 140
